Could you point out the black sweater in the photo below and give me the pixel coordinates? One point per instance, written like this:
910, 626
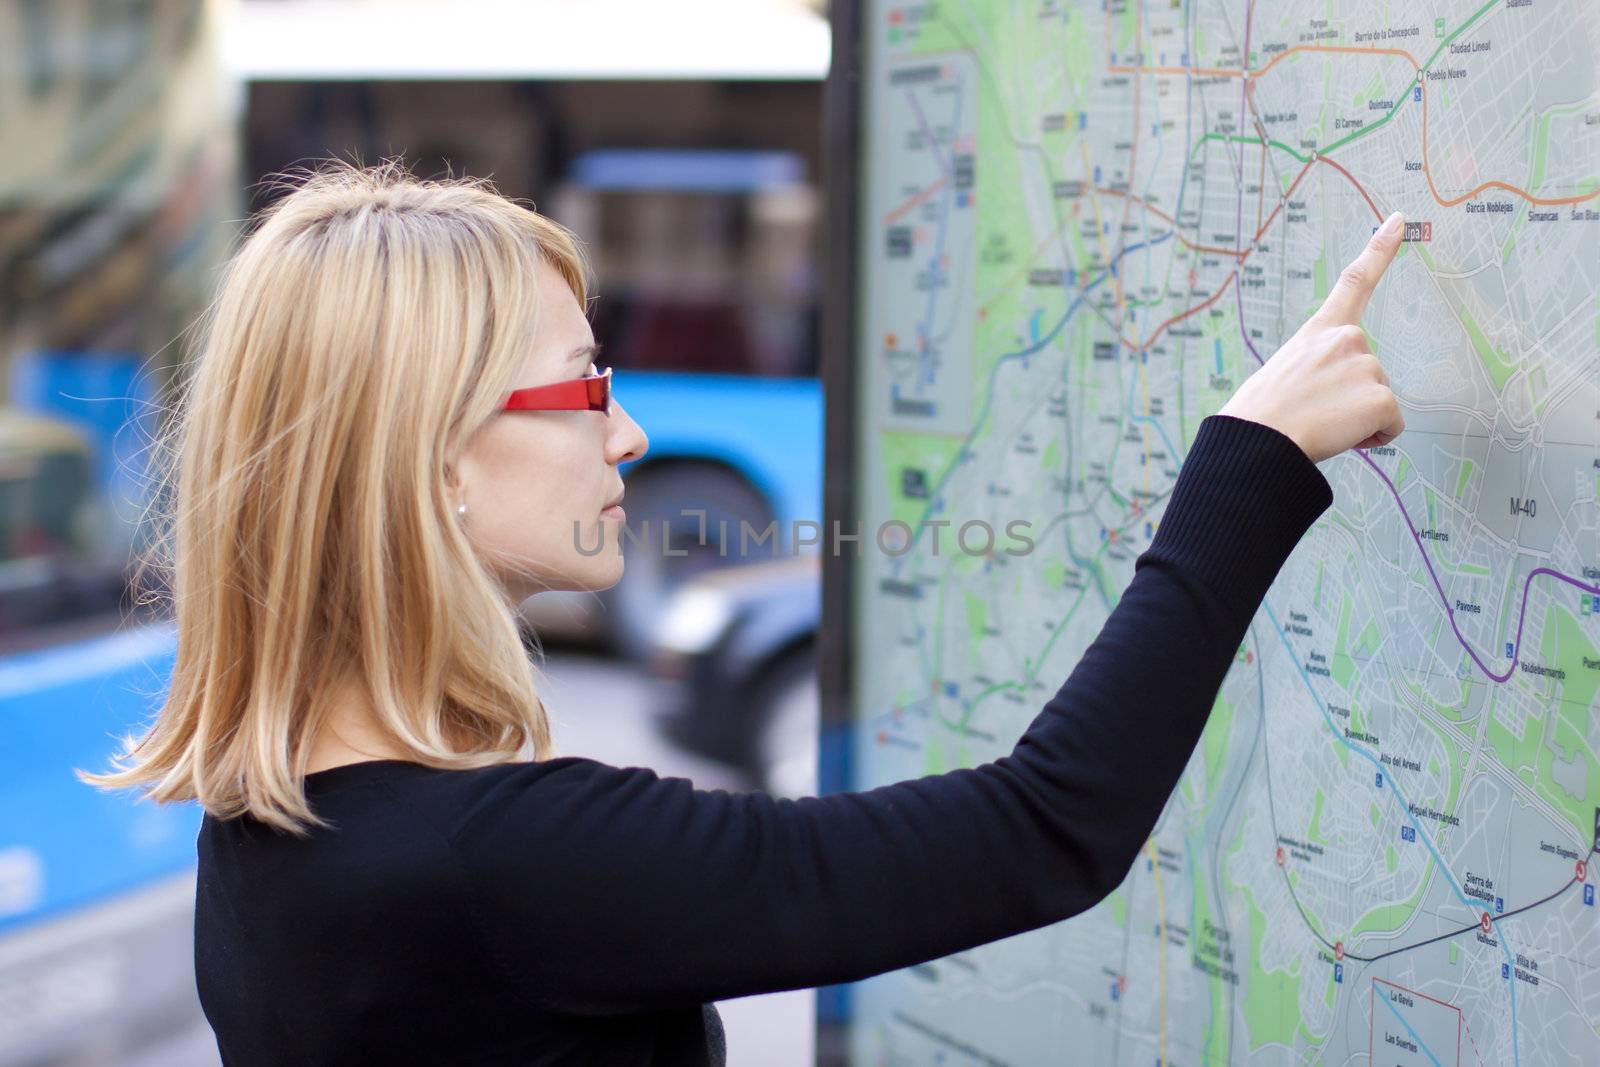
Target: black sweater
572, 912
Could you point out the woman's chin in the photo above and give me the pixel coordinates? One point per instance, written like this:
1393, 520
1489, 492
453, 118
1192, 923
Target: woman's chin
597, 574
612, 576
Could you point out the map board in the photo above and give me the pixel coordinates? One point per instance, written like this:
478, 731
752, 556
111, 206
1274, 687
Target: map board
1077, 228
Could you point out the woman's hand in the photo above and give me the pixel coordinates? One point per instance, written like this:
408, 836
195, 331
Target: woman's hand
1324, 389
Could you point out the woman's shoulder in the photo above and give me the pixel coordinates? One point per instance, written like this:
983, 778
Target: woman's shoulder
384, 803
453, 798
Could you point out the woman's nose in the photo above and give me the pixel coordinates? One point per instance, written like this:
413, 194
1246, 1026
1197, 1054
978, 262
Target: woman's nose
626, 441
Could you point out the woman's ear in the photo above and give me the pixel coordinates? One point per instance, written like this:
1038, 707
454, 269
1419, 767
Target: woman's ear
454, 490
456, 478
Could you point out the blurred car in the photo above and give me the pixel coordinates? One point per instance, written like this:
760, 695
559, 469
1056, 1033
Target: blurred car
47, 576
710, 305
734, 660
710, 493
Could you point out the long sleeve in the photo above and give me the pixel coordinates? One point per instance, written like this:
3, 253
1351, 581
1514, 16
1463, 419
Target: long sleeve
608, 890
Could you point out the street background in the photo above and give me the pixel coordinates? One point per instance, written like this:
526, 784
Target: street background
681, 141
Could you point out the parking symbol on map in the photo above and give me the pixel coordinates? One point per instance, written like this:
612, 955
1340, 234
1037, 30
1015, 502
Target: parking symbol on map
1408, 833
1588, 895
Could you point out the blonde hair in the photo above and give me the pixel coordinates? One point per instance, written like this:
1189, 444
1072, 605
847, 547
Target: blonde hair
359, 336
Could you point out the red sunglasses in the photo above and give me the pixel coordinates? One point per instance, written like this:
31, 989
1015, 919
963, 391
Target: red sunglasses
592, 392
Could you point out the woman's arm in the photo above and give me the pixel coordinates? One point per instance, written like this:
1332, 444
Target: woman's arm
611, 890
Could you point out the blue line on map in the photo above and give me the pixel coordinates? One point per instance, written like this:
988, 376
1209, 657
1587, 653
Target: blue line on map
1141, 319
1218, 348
1388, 998
1188, 116
1133, 381
1083, 561
1144, 16
1172, 449
988, 393
1405, 807
1511, 982
926, 374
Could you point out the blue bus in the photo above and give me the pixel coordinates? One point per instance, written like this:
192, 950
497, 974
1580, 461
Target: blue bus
695, 188
708, 311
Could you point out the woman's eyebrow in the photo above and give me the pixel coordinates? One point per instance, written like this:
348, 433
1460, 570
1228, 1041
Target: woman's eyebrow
585, 352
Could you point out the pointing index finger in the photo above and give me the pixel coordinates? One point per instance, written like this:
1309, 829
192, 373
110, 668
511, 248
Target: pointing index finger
1348, 300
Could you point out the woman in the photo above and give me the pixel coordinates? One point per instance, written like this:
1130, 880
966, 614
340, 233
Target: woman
395, 432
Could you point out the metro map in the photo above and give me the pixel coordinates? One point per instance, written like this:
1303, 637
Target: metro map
1084, 225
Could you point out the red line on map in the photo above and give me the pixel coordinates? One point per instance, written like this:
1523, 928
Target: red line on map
1427, 172
1287, 193
1359, 188
1140, 346
900, 212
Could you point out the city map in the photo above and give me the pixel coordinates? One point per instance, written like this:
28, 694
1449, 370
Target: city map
1082, 226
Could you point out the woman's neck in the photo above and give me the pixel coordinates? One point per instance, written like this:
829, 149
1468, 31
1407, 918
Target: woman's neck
350, 732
